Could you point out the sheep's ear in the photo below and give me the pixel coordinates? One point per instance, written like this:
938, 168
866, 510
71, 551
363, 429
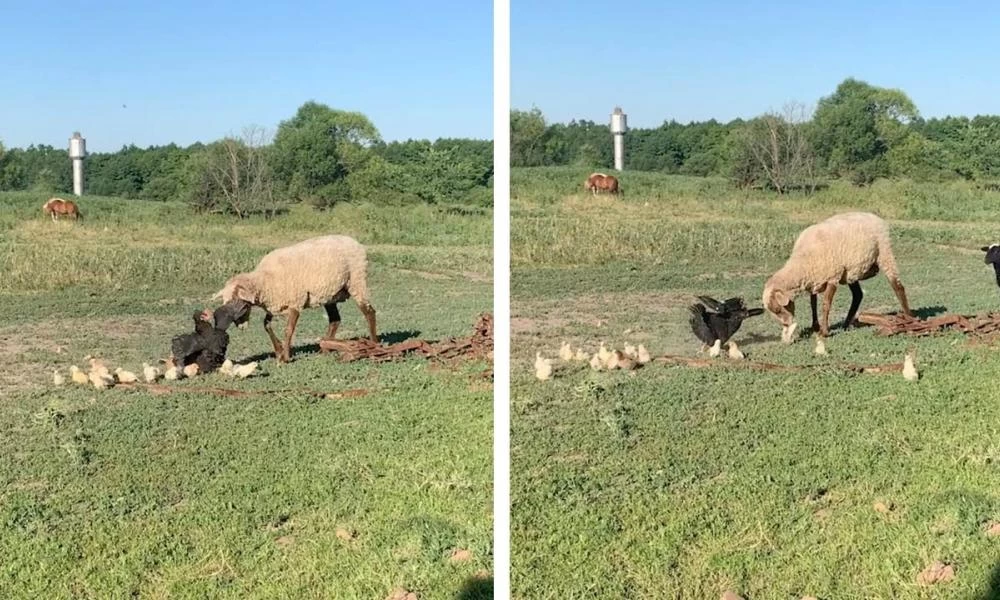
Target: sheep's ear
780, 298
244, 294
985, 248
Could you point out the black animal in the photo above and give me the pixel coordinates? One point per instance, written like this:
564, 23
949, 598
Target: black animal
208, 344
716, 322
993, 258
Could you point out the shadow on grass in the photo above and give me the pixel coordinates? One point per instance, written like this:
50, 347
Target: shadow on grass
393, 337
992, 591
929, 311
476, 588
758, 338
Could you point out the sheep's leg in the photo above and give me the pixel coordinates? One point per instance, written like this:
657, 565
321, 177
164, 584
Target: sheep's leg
897, 287
270, 333
812, 305
369, 312
293, 319
333, 316
856, 296
831, 289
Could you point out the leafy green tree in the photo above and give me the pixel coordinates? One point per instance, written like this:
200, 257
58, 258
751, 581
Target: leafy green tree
528, 138
316, 149
854, 128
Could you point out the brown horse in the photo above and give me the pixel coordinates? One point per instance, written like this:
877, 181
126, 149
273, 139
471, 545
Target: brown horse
599, 182
57, 207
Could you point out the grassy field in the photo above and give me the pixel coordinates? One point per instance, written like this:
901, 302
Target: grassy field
678, 482
125, 493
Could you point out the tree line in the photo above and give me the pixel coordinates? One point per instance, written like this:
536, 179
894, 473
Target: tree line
320, 155
860, 132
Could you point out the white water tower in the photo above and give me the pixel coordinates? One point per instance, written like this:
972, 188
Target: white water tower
619, 124
77, 150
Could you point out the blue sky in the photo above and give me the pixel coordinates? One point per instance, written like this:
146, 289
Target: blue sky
695, 60
194, 71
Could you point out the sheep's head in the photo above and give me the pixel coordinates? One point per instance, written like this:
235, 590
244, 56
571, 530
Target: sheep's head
235, 311
240, 289
781, 305
992, 253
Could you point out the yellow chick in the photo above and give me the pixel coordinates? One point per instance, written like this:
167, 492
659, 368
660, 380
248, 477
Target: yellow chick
227, 367
124, 376
99, 381
734, 351
191, 370
172, 373
543, 367
150, 374
98, 366
580, 355
604, 353
630, 351
820, 346
716, 349
613, 360
625, 362
596, 363
244, 371
909, 370
642, 355
565, 352
57, 378
78, 376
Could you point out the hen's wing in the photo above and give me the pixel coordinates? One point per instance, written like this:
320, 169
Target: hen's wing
734, 305
186, 345
699, 324
711, 304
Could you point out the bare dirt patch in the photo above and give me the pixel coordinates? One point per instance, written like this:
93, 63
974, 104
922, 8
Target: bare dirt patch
460, 555
592, 310
425, 274
936, 572
401, 594
30, 351
883, 507
992, 529
479, 277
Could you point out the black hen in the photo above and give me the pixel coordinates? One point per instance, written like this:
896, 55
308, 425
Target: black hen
208, 344
712, 320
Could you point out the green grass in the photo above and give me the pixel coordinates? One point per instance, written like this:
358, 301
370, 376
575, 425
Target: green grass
678, 482
125, 493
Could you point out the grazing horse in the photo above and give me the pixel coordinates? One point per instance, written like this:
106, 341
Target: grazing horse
599, 182
57, 207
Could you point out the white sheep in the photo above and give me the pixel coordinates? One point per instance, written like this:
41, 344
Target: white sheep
321, 271
845, 249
